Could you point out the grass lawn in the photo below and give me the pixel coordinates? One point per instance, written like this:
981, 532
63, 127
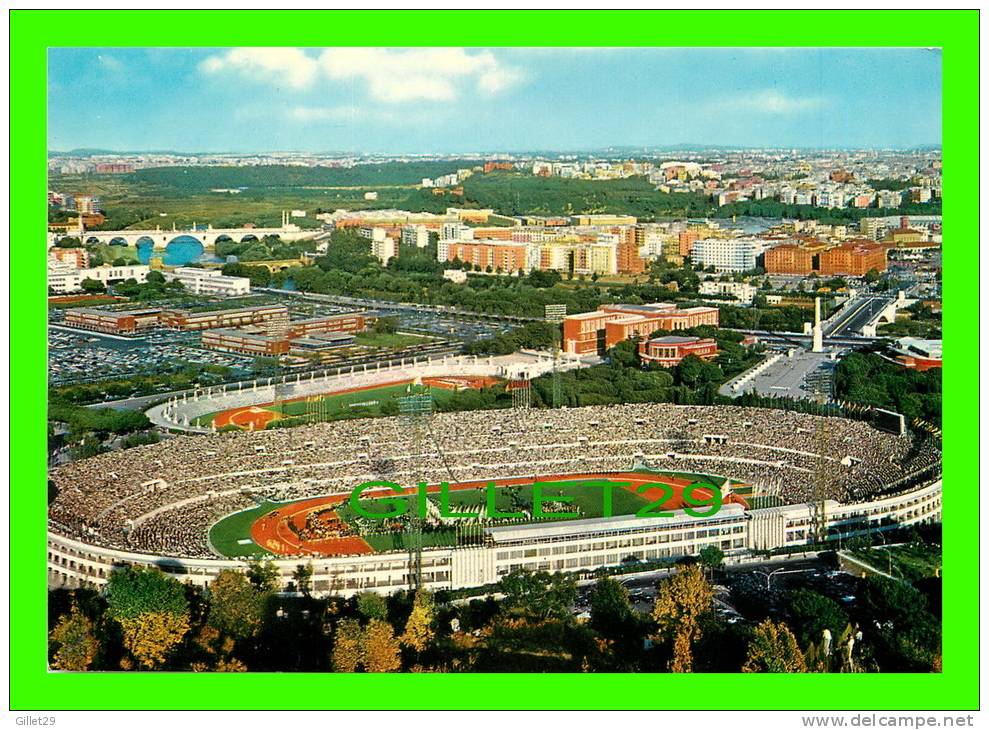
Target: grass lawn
693, 476
224, 535
132, 203
911, 562
109, 253
588, 499
336, 405
393, 340
341, 405
95, 302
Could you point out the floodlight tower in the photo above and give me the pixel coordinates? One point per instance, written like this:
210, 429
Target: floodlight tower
820, 493
415, 410
556, 313
279, 400
521, 392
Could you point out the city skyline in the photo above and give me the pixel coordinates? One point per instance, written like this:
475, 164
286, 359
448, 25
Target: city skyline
459, 100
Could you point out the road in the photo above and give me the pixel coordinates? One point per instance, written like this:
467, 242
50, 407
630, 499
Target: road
796, 339
786, 573
378, 304
801, 375
857, 313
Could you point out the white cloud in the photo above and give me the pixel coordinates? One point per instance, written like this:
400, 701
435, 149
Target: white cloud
767, 101
390, 75
346, 113
426, 74
289, 66
110, 63
323, 114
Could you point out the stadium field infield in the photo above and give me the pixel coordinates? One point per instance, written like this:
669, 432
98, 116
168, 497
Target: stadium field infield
349, 403
329, 525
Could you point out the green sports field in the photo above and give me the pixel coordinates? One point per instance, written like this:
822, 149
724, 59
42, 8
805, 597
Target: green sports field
369, 403
225, 535
229, 536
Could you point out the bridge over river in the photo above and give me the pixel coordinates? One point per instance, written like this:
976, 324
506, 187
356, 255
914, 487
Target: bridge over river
160, 238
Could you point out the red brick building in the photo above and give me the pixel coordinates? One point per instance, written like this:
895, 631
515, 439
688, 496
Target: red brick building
629, 261
595, 332
669, 351
855, 259
185, 319
788, 258
351, 322
508, 257
114, 323
244, 342
78, 257
686, 241
917, 354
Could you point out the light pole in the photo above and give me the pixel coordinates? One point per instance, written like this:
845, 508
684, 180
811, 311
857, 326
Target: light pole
769, 576
889, 555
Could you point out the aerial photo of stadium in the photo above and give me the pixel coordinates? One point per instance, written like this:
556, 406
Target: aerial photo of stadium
597, 403
196, 504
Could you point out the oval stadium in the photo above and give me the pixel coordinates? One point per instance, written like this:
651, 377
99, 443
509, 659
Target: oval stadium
197, 503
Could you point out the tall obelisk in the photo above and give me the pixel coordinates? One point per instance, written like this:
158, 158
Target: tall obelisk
818, 335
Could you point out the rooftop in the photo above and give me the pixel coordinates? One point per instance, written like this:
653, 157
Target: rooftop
674, 340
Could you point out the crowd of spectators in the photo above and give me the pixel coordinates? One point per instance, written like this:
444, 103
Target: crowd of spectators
163, 498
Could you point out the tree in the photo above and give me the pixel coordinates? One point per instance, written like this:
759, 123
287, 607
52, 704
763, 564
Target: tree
810, 613
348, 652
236, 606
381, 653
872, 276
905, 635
120, 261
371, 606
150, 637
74, 642
542, 595
92, 286
264, 575
155, 277
419, 631
385, 325
773, 648
711, 557
303, 578
137, 590
680, 603
152, 610
610, 606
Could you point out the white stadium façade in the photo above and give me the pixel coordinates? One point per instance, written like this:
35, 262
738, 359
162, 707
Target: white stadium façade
153, 505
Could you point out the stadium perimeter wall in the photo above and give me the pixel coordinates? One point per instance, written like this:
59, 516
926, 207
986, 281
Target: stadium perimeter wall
581, 545
179, 413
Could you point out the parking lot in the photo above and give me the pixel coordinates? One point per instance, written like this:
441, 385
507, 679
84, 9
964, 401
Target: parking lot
76, 356
782, 574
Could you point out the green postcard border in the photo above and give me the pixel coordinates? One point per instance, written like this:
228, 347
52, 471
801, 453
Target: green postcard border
33, 688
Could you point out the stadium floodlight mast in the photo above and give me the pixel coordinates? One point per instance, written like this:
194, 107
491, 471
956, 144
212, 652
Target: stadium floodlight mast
521, 392
820, 496
415, 410
556, 313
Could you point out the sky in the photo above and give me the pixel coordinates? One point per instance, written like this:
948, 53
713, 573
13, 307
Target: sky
453, 100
